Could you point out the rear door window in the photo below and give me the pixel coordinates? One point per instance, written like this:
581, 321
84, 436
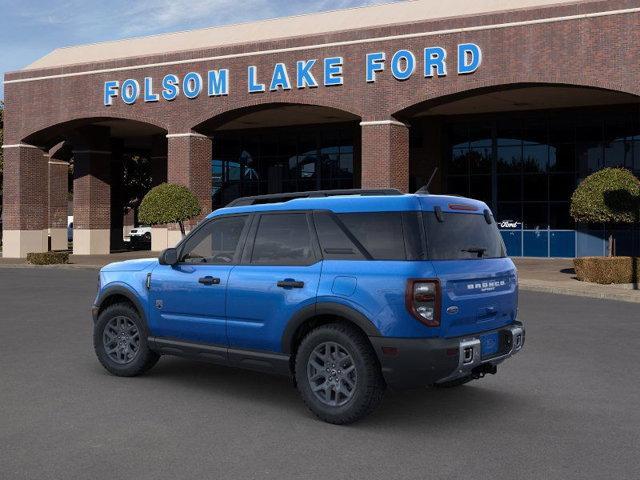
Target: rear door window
283, 239
461, 236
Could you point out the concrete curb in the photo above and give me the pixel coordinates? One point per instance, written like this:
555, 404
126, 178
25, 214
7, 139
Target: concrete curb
579, 291
69, 266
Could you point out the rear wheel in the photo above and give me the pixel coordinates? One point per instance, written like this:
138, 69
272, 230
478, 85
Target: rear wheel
338, 375
120, 341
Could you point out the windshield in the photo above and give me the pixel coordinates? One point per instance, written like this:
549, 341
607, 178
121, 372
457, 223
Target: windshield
461, 236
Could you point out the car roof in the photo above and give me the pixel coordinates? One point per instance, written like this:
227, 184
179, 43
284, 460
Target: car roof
362, 204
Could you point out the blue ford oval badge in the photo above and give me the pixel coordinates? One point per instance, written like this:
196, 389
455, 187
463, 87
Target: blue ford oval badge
452, 310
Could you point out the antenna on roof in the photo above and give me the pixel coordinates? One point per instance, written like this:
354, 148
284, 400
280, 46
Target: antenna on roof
424, 190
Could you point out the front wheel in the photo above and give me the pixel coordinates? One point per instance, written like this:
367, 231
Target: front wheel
338, 375
120, 341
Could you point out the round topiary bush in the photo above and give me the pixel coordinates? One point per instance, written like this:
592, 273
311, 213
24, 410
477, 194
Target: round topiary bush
168, 203
611, 195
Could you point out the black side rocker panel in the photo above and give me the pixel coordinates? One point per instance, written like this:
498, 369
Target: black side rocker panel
326, 308
258, 360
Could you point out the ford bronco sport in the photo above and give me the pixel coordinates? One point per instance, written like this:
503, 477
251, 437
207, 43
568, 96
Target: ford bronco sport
346, 292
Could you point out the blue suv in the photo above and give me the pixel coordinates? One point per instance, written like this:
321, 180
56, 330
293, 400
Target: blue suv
346, 292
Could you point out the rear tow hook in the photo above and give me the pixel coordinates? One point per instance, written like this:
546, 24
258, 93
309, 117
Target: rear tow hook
483, 370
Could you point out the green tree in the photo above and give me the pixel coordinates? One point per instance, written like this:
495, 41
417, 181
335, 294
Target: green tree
136, 181
169, 203
611, 195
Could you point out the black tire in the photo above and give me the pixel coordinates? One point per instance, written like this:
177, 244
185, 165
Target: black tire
454, 383
142, 360
369, 386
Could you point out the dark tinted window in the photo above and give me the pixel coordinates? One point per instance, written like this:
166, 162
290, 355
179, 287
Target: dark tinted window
216, 242
379, 233
334, 242
462, 236
283, 239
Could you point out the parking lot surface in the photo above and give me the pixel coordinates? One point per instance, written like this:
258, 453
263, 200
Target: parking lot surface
567, 407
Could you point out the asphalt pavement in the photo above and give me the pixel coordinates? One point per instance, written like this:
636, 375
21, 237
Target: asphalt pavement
565, 408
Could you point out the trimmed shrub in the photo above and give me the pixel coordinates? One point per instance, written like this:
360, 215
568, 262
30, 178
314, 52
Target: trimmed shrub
168, 203
48, 258
611, 195
606, 270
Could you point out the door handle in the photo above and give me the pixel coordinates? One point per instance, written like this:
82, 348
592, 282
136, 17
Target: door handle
209, 280
290, 283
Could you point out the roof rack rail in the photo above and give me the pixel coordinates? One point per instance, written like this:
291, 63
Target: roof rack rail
285, 197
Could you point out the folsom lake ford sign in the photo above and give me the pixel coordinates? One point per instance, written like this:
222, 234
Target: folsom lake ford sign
308, 73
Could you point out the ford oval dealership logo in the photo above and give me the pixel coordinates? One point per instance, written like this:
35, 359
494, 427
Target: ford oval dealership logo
486, 286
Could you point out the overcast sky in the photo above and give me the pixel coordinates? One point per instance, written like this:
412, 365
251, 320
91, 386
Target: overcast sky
30, 29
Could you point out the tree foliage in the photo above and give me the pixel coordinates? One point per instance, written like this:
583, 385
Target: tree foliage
611, 195
136, 179
168, 203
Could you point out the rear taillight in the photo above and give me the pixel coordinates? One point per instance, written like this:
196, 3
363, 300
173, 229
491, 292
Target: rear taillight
423, 301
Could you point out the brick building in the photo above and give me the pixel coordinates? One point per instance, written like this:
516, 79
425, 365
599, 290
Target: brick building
513, 101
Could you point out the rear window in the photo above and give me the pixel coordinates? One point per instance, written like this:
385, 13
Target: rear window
461, 236
379, 233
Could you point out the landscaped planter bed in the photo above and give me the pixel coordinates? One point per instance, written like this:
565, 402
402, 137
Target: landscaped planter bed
606, 270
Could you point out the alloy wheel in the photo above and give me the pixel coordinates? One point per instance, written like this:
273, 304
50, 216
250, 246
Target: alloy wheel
332, 374
121, 340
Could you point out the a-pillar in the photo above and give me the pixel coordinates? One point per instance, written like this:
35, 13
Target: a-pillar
189, 164
25, 199
58, 191
92, 192
385, 154
159, 233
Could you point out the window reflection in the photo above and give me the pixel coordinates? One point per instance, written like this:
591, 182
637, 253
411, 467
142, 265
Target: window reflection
539, 158
255, 162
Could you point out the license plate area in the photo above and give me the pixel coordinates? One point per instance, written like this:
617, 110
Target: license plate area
490, 344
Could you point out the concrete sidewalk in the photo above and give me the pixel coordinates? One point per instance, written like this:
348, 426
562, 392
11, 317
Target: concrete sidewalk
83, 261
556, 275
549, 275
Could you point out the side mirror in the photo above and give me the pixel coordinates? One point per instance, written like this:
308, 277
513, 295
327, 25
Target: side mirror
169, 257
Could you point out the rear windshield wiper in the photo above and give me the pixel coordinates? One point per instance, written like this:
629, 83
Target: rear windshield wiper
478, 250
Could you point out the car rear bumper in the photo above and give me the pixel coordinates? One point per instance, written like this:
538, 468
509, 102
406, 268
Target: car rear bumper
418, 362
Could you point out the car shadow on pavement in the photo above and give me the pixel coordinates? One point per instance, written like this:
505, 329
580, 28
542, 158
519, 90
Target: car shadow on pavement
417, 408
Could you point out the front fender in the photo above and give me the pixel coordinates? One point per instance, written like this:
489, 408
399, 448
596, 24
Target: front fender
125, 290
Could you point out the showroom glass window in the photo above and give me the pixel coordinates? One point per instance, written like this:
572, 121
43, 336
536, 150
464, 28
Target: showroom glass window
538, 159
278, 160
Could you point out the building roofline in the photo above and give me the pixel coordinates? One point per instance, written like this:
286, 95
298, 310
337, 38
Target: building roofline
275, 29
23, 75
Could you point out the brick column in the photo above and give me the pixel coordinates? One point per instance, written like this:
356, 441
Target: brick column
25, 199
189, 164
58, 191
385, 155
116, 224
91, 191
159, 233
